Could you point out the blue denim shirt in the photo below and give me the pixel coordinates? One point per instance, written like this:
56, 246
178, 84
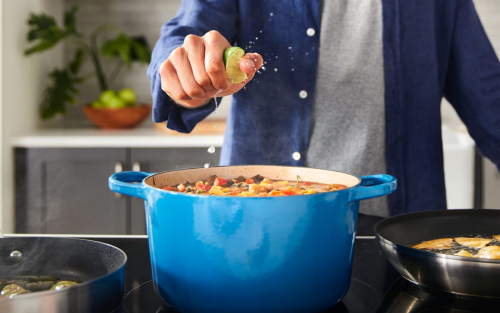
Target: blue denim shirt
431, 49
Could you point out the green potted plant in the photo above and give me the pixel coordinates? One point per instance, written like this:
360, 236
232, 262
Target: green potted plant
113, 109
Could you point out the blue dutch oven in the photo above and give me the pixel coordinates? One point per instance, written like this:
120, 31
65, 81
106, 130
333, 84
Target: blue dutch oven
217, 254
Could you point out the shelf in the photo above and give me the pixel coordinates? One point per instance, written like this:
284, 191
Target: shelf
96, 138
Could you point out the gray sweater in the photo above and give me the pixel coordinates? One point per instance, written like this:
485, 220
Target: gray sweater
348, 120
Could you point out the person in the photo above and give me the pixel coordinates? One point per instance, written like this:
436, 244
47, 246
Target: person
349, 85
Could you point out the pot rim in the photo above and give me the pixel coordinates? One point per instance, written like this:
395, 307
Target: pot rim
219, 197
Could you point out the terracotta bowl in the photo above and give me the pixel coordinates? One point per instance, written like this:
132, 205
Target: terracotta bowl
117, 118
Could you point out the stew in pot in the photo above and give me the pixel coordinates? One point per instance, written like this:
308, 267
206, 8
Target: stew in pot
256, 186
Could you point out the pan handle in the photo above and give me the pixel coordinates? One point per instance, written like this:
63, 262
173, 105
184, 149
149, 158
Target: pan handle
122, 183
373, 186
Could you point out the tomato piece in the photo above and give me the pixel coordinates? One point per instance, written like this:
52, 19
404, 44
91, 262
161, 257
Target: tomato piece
340, 187
236, 192
207, 187
307, 183
169, 188
181, 188
249, 181
236, 181
219, 181
200, 185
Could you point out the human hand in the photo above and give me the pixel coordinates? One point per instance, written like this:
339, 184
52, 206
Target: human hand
195, 72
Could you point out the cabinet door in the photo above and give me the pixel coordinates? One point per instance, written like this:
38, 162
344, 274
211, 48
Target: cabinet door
164, 159
67, 192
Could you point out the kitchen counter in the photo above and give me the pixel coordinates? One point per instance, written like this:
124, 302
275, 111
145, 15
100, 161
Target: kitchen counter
97, 138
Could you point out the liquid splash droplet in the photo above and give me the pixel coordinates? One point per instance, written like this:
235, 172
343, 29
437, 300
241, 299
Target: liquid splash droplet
290, 48
206, 165
271, 14
260, 31
211, 149
293, 69
256, 38
296, 156
275, 69
263, 68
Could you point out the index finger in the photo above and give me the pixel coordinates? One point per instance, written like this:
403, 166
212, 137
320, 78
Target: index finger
215, 45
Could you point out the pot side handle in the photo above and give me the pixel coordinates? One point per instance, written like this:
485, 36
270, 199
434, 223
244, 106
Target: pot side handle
373, 186
122, 183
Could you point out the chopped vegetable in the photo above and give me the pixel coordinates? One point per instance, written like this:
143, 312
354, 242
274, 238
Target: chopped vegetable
219, 181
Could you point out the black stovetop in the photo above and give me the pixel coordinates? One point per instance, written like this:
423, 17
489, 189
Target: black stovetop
375, 286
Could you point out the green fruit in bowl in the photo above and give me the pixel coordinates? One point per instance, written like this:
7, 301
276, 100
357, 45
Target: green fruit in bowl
106, 96
116, 103
127, 95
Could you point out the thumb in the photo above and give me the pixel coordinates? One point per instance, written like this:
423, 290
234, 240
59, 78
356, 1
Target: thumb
251, 62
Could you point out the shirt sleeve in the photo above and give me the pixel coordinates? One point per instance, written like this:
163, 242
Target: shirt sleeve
195, 17
472, 83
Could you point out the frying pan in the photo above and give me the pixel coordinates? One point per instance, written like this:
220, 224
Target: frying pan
459, 275
100, 266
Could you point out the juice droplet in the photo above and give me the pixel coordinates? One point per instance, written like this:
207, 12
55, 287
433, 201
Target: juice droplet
275, 69
260, 31
206, 165
256, 38
211, 149
271, 14
296, 156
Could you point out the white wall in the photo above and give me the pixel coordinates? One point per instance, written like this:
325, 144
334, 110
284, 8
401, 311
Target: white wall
23, 81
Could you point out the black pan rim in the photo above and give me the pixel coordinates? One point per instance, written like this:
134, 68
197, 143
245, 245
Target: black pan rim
82, 285
429, 253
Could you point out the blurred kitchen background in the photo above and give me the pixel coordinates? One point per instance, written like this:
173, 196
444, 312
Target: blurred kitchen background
54, 172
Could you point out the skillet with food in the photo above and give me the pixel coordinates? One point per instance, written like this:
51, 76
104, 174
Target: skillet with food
449, 250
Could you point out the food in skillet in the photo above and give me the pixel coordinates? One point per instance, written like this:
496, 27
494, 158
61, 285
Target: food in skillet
256, 186
14, 286
481, 246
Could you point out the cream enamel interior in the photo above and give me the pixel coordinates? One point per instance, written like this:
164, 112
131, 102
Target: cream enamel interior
273, 172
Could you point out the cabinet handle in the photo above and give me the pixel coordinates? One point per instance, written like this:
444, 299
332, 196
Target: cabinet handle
136, 167
118, 168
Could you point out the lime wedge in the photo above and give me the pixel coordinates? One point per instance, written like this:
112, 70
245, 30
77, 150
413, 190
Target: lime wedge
232, 57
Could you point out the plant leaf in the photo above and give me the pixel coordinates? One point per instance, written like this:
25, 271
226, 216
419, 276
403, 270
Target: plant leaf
62, 88
140, 50
45, 31
70, 19
127, 49
60, 92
